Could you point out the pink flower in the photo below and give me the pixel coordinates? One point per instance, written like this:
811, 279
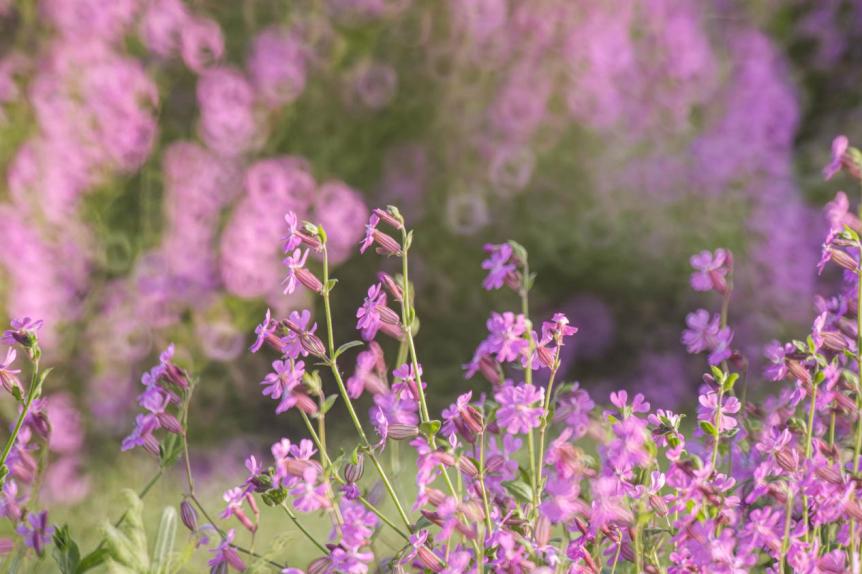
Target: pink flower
839, 147
520, 407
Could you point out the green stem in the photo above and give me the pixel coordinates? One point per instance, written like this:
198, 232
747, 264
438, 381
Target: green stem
546, 409
485, 502
808, 438
785, 541
408, 315
715, 444
333, 365
32, 392
302, 529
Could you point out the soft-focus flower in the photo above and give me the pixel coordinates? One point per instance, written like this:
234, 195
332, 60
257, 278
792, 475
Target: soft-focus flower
36, 532
710, 271
500, 266
226, 554
520, 407
839, 147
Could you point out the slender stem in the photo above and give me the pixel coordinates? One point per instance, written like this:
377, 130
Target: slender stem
485, 502
327, 461
858, 446
333, 364
808, 438
299, 525
785, 541
717, 422
617, 553
408, 316
545, 424
32, 393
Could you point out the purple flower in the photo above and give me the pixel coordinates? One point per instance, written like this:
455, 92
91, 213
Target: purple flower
499, 265
235, 497
350, 560
710, 412
573, 409
225, 553
294, 263
775, 353
367, 316
23, 331
520, 407
281, 383
839, 148
263, 332
706, 334
292, 341
370, 228
142, 434
309, 496
710, 270
36, 532
506, 336
9, 376
358, 525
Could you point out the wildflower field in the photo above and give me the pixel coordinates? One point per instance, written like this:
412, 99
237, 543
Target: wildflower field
460, 287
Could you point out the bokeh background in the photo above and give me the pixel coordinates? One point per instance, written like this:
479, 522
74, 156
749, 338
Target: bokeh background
149, 149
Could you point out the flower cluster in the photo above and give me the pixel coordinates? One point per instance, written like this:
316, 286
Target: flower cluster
532, 476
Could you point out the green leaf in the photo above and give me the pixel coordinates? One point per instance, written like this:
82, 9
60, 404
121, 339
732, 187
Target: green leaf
519, 489
327, 404
165, 541
430, 428
66, 553
93, 559
347, 347
708, 428
519, 250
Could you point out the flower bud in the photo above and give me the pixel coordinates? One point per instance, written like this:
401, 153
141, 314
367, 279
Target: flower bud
799, 372
312, 344
466, 466
389, 218
387, 315
305, 403
490, 369
435, 497
296, 466
658, 504
308, 279
829, 474
189, 515
386, 243
853, 509
170, 423
399, 431
176, 375
393, 331
834, 341
787, 459
319, 566
353, 472
543, 531
391, 286
428, 560
842, 259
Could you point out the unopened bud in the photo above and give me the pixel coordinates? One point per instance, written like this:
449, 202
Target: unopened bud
170, 423
305, 403
466, 466
829, 474
353, 472
799, 372
308, 279
399, 431
391, 286
543, 531
842, 259
387, 315
319, 566
394, 331
490, 369
834, 341
658, 504
787, 459
312, 344
389, 218
386, 244
428, 560
189, 516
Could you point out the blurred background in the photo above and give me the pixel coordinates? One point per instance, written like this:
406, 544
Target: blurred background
149, 149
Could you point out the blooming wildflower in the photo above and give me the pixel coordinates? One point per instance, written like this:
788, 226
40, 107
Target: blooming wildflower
142, 434
839, 147
358, 526
573, 409
235, 497
520, 407
297, 273
281, 383
299, 323
706, 334
225, 553
350, 560
263, 332
386, 245
408, 385
23, 331
462, 417
500, 266
36, 532
9, 376
308, 496
367, 316
709, 411
506, 336
710, 270
365, 376
775, 353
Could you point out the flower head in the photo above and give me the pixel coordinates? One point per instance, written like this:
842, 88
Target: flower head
520, 407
